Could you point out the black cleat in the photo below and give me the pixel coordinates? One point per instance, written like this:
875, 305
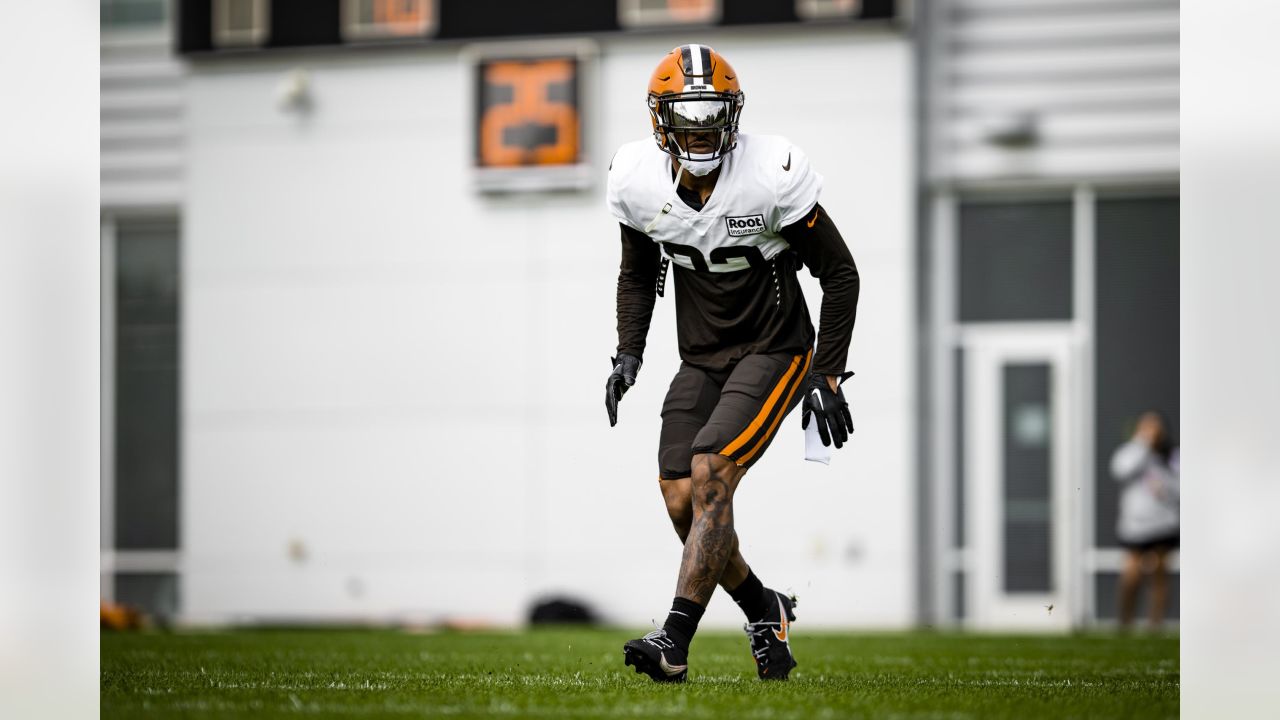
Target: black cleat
656, 656
771, 639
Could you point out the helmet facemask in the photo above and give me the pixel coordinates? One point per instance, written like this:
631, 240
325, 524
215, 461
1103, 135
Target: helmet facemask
697, 128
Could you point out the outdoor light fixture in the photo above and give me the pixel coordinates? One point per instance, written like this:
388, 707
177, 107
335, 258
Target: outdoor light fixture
1013, 131
293, 94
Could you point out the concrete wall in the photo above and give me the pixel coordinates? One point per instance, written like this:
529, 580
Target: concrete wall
393, 384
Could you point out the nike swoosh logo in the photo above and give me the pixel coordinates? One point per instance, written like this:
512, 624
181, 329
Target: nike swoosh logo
787, 167
668, 668
817, 398
814, 220
664, 79
782, 636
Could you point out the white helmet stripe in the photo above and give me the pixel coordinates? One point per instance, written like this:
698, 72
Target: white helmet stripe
695, 61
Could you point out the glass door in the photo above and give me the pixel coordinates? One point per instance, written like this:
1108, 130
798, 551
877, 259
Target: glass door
1022, 488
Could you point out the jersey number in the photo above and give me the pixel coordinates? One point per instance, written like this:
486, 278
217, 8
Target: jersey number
719, 256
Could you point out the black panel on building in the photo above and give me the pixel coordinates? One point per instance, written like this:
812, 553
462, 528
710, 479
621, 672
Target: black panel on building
878, 10
299, 23
195, 26
502, 18
303, 23
755, 12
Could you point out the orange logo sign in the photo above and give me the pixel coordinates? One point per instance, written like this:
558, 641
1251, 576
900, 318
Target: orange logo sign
529, 113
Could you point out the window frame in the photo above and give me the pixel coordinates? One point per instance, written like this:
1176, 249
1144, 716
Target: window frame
106, 25
634, 14
827, 9
224, 36
355, 31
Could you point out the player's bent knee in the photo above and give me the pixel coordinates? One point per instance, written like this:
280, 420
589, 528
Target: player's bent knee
680, 512
679, 507
677, 495
710, 466
714, 479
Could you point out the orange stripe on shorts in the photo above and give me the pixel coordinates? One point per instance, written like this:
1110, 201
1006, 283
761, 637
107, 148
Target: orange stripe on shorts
763, 415
774, 425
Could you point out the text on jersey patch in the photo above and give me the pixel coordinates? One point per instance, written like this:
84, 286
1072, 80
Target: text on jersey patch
745, 225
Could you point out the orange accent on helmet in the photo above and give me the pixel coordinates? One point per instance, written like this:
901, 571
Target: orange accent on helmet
694, 72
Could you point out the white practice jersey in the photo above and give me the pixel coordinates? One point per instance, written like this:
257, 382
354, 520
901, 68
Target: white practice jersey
765, 184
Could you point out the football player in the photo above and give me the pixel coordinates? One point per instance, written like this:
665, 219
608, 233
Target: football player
737, 216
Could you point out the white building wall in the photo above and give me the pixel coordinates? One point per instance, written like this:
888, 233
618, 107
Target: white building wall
393, 385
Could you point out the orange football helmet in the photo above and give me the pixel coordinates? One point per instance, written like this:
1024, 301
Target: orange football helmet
694, 104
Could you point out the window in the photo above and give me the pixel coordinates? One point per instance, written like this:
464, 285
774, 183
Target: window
128, 14
820, 9
141, 484
240, 23
1028, 490
1136, 329
1015, 260
146, 380
647, 13
387, 19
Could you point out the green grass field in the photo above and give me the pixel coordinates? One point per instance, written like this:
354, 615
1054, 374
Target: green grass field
563, 673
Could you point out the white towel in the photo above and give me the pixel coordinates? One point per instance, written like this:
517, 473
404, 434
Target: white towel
814, 450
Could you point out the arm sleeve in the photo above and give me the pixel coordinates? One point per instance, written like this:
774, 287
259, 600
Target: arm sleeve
637, 287
1129, 460
827, 256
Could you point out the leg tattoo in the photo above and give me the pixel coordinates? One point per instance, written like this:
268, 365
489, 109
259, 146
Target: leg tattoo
711, 539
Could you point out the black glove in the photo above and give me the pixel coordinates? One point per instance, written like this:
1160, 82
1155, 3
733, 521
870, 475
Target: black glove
621, 379
830, 409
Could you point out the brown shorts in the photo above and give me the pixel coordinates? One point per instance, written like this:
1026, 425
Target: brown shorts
734, 413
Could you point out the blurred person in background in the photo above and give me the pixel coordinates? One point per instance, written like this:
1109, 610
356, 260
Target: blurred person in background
737, 215
1147, 465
